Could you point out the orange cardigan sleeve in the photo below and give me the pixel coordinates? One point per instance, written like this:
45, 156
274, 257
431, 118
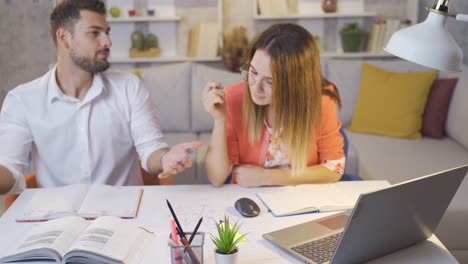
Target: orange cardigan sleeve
330, 142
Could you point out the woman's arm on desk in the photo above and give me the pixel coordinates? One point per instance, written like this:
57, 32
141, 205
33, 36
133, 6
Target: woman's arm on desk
252, 176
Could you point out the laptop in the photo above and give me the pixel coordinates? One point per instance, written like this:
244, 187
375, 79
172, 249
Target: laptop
382, 222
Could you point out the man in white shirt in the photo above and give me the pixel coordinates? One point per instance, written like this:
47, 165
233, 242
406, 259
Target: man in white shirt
79, 125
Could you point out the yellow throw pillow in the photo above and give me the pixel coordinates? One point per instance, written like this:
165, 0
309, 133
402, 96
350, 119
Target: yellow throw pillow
391, 103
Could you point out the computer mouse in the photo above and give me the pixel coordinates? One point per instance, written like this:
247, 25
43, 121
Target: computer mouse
247, 207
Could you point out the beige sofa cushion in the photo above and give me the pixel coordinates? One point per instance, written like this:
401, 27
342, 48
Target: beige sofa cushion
201, 74
169, 88
457, 118
397, 160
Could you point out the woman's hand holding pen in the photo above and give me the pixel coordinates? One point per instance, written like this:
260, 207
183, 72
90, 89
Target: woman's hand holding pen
177, 158
213, 100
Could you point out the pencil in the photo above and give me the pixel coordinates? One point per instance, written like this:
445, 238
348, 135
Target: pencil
195, 231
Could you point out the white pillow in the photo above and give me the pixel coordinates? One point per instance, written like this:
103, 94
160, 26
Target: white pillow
201, 74
169, 88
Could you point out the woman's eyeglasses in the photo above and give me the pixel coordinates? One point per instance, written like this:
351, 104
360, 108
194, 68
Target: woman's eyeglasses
252, 77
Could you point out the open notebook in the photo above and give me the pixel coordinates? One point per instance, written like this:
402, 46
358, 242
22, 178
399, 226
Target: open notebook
87, 201
309, 198
73, 239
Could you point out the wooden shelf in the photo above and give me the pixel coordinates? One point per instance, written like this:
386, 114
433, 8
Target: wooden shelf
315, 16
143, 19
352, 55
161, 59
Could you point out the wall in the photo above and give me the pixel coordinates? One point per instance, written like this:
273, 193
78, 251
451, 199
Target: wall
26, 47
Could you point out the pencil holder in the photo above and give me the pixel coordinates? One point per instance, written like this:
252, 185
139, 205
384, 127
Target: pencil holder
193, 253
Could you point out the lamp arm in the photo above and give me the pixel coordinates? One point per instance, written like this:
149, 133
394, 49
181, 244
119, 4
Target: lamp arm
462, 17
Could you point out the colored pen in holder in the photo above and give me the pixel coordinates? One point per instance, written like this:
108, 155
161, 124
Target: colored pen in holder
181, 254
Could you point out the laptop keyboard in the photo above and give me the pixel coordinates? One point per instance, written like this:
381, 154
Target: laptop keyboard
319, 251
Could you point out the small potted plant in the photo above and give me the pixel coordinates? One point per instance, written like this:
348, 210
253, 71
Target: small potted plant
351, 36
226, 250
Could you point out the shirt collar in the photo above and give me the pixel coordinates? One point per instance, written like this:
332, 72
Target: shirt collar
54, 91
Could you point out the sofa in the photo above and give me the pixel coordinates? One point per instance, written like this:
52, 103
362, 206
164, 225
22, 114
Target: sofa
176, 90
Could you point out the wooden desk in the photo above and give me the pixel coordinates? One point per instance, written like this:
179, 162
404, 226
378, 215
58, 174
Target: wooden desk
193, 201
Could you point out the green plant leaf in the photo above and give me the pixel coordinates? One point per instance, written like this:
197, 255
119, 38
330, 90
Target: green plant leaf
228, 236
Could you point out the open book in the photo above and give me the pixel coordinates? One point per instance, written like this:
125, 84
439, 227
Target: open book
88, 201
73, 239
309, 198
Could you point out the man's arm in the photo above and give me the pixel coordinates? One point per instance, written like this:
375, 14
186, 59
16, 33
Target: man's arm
168, 161
7, 180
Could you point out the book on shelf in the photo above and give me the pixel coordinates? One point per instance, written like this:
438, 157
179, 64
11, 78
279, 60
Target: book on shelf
381, 32
311, 198
273, 7
73, 239
84, 200
203, 40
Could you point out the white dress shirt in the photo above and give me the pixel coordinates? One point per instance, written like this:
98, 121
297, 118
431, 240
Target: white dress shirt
97, 140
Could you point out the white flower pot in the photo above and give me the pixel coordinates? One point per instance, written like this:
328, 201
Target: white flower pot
227, 258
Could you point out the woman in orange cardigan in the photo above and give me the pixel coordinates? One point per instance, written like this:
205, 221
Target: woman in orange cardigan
279, 127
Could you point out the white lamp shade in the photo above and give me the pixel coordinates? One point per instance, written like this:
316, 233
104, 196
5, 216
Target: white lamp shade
428, 44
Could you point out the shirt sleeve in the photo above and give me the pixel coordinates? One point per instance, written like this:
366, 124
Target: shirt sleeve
330, 141
144, 124
15, 139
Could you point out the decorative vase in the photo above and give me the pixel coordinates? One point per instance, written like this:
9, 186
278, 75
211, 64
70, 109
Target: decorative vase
227, 258
329, 6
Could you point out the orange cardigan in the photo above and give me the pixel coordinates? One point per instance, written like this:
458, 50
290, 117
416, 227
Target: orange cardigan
327, 144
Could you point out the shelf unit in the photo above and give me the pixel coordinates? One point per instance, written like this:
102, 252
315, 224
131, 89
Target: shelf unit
314, 16
161, 59
326, 25
165, 24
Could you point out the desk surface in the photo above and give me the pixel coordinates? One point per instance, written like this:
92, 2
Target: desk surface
193, 201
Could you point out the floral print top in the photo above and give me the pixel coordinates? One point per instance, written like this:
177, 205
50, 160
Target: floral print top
278, 158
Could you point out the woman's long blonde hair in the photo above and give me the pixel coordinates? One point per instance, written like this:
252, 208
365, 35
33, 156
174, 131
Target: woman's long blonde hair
296, 90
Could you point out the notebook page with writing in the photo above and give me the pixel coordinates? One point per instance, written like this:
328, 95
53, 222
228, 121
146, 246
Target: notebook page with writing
103, 200
50, 203
306, 199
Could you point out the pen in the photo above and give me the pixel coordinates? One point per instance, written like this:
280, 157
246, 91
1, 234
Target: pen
179, 252
195, 231
175, 219
189, 153
175, 242
184, 241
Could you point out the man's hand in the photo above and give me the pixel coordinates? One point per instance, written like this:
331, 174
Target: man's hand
178, 159
251, 176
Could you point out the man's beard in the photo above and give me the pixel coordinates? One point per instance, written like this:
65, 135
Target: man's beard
91, 65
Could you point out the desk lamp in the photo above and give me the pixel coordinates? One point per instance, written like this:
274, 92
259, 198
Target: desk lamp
428, 43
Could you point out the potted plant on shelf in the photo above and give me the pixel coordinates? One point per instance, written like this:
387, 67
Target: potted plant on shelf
351, 36
226, 250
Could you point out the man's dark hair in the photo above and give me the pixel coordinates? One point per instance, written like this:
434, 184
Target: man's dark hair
67, 13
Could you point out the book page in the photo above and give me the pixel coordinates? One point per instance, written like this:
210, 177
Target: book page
50, 203
306, 198
48, 240
327, 197
111, 238
105, 200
